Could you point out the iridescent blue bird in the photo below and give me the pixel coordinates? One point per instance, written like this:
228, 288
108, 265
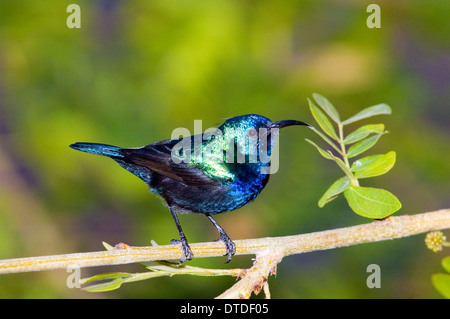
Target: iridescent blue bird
208, 173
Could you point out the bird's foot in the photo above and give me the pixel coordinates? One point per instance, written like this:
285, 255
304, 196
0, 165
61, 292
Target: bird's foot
187, 252
229, 244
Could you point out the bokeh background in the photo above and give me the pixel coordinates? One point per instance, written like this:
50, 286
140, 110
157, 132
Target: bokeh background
138, 69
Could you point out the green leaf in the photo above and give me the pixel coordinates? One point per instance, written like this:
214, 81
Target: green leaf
335, 189
372, 202
368, 112
321, 151
322, 120
362, 146
327, 107
106, 286
442, 284
373, 165
106, 276
446, 263
364, 162
363, 132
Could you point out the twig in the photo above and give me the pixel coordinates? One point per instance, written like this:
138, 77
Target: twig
390, 228
255, 278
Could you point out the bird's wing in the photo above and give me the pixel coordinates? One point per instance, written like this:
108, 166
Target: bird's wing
158, 158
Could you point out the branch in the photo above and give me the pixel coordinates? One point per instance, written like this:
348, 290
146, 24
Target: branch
390, 228
255, 278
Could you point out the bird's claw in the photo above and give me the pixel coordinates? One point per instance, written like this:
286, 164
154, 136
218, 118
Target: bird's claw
187, 252
229, 244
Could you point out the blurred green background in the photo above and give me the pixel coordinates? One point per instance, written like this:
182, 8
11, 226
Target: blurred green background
138, 69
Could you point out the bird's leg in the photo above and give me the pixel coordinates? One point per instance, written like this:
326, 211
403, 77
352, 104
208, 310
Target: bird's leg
230, 246
187, 253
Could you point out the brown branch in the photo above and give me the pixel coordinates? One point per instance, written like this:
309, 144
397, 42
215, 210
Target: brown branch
390, 228
255, 278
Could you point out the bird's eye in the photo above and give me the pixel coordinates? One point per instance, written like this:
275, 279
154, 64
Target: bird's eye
251, 132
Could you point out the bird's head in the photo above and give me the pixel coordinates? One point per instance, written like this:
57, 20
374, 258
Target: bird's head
254, 136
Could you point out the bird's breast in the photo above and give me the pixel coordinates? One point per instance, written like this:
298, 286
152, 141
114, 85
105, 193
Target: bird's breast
214, 200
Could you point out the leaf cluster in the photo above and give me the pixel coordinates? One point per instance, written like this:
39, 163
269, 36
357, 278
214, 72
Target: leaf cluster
114, 280
368, 202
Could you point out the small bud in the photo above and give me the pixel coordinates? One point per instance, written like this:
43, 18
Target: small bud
435, 240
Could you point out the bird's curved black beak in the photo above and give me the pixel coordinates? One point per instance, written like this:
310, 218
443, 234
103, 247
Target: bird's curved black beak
281, 124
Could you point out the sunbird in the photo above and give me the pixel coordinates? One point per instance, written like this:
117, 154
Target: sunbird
209, 173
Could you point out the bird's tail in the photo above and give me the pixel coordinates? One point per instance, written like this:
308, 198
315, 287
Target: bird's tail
99, 149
